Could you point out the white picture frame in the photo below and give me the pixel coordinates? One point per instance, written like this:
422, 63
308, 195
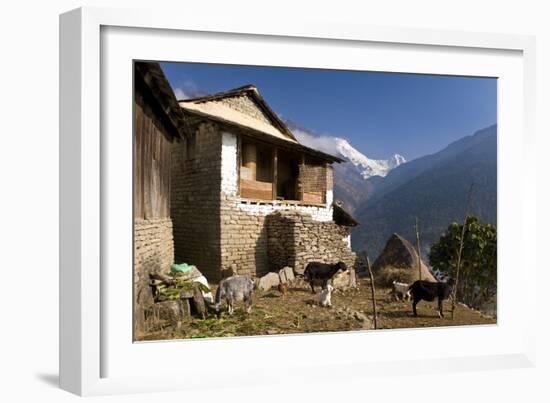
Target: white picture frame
91, 344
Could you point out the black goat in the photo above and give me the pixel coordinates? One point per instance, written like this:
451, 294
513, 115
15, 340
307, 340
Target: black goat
428, 291
321, 273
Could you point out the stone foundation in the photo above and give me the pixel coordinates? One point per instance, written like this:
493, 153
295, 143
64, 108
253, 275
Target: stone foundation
153, 252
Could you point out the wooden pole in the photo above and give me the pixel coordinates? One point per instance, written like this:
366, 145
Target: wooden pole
418, 250
460, 246
274, 174
300, 179
372, 290
250, 159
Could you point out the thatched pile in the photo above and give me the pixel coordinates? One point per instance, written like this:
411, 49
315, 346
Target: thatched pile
399, 262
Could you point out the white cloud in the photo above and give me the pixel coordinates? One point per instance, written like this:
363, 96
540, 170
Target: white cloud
181, 94
327, 144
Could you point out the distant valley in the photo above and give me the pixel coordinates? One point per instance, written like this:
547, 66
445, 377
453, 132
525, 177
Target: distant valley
386, 196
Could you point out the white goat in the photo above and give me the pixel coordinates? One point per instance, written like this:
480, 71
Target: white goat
207, 295
401, 291
323, 298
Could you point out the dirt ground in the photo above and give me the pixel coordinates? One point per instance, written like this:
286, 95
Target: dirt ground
294, 313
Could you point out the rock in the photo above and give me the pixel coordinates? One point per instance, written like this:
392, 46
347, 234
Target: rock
198, 302
286, 275
268, 281
360, 316
171, 311
344, 280
282, 276
368, 324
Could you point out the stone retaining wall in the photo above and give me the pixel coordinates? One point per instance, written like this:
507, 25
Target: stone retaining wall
153, 252
294, 239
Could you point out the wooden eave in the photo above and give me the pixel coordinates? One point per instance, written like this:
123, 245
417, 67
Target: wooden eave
263, 137
255, 94
154, 79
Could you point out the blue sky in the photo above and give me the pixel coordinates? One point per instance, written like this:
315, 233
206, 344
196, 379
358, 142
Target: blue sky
380, 114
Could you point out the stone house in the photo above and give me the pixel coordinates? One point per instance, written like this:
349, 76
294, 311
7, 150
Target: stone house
246, 196
158, 122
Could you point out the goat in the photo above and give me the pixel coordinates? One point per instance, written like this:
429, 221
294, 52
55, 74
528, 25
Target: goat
322, 273
428, 291
233, 289
401, 291
206, 295
323, 298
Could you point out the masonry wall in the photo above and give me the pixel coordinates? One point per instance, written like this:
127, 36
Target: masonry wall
294, 239
195, 201
153, 252
245, 105
217, 231
245, 224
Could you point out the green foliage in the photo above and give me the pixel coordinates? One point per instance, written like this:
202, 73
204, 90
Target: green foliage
478, 268
173, 292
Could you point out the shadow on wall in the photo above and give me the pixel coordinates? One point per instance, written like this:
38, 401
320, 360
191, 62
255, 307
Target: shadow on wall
281, 240
261, 256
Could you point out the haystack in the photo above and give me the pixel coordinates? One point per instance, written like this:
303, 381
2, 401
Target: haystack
399, 262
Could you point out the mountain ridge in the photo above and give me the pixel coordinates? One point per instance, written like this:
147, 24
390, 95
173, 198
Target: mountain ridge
433, 189
354, 179
341, 147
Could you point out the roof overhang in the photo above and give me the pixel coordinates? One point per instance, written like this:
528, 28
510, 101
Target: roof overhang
154, 79
260, 135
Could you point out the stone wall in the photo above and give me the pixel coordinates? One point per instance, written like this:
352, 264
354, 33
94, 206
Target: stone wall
245, 225
246, 105
294, 239
195, 201
153, 252
217, 231
243, 236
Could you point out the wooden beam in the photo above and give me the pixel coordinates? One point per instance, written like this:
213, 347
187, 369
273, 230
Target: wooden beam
239, 162
300, 184
274, 176
250, 159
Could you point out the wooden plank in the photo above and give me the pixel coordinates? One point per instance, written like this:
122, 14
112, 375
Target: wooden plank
256, 190
239, 161
312, 197
168, 161
165, 177
300, 183
138, 184
152, 154
155, 176
147, 167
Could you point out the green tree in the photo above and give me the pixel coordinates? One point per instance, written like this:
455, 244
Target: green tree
478, 272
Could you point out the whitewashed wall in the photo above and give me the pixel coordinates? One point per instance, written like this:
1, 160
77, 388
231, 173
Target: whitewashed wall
230, 185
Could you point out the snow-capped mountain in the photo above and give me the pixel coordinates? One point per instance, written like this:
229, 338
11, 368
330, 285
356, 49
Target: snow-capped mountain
366, 166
